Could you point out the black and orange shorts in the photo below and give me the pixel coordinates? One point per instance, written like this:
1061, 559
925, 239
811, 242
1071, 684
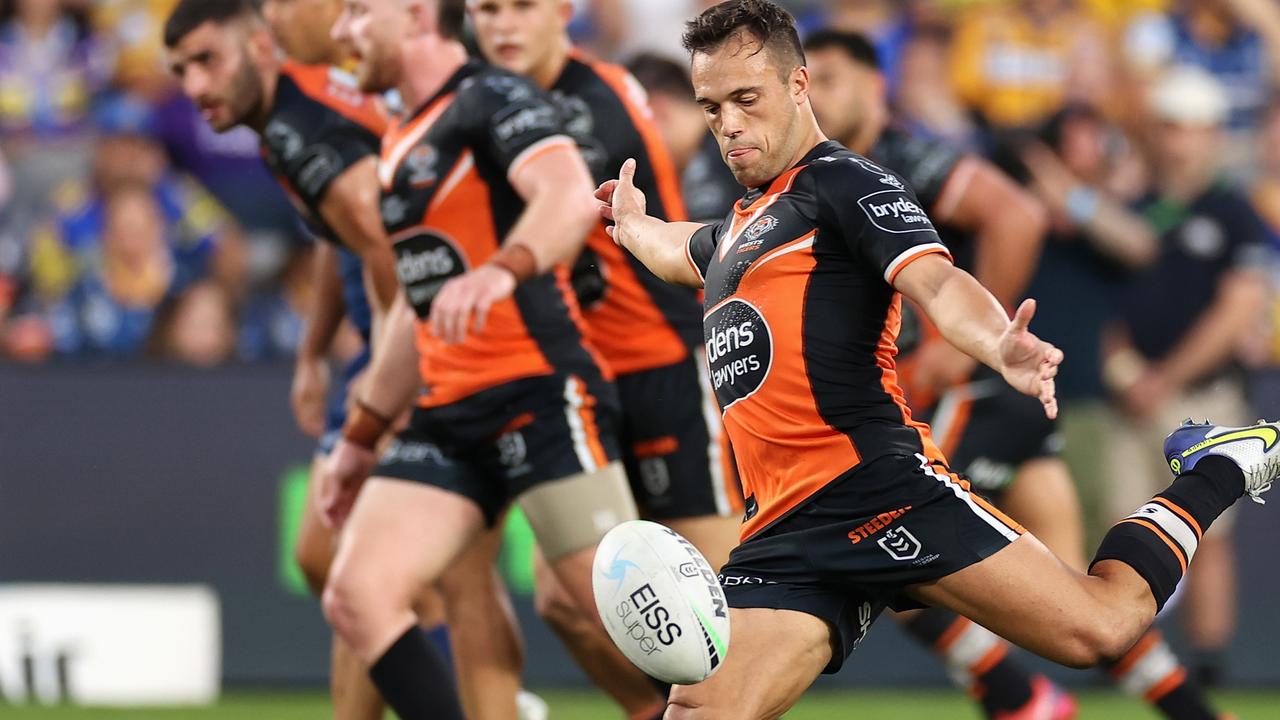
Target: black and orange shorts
493, 446
860, 543
987, 430
673, 444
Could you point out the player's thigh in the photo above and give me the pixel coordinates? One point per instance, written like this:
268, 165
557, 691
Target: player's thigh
774, 656
1043, 499
402, 536
1027, 595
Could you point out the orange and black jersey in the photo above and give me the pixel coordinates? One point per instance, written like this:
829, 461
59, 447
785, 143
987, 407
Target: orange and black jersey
635, 320
448, 204
800, 323
320, 125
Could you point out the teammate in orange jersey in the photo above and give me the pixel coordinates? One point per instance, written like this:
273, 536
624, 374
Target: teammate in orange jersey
486, 198
802, 286
647, 331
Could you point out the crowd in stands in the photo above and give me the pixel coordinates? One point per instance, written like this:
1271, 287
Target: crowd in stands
128, 228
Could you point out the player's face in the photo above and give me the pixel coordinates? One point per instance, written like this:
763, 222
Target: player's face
754, 113
214, 65
373, 30
844, 93
522, 36
302, 27
1181, 146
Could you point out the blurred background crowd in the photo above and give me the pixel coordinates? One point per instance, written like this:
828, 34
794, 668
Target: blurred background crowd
128, 228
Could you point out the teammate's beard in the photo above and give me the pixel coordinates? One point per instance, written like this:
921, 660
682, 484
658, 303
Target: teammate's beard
379, 73
245, 94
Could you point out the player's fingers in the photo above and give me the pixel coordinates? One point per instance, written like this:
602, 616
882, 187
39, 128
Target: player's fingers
481, 312
1051, 409
1022, 318
627, 175
604, 193
1054, 355
606, 212
608, 230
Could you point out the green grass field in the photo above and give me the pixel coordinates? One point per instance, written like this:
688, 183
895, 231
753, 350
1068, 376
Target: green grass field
898, 705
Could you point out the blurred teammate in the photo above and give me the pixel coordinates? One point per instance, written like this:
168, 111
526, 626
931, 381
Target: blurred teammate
706, 184
997, 438
482, 194
647, 330
802, 283
320, 136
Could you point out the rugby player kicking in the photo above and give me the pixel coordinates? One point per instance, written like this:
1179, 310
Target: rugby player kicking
996, 438
802, 308
649, 332
486, 198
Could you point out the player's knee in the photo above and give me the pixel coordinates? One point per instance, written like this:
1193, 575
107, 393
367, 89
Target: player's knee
347, 604
557, 609
1095, 642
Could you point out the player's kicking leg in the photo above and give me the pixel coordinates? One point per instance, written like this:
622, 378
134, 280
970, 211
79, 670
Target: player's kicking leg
1022, 591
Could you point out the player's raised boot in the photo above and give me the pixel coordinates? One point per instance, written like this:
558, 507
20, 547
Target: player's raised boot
1254, 448
1048, 702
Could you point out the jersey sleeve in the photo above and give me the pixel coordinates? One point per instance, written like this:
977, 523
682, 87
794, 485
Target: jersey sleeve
878, 216
312, 146
701, 246
512, 120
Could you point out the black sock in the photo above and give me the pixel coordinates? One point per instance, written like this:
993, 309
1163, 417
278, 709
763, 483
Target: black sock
415, 681
1160, 538
1208, 668
1002, 685
1151, 671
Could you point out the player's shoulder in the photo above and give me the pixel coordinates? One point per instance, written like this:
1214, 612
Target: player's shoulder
841, 180
315, 94
843, 174
484, 86
591, 78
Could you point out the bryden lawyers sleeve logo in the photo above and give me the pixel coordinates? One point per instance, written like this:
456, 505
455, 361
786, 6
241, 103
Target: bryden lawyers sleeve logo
894, 211
739, 350
424, 261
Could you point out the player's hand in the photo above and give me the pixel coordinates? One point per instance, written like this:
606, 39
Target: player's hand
309, 393
342, 475
469, 295
1029, 363
620, 198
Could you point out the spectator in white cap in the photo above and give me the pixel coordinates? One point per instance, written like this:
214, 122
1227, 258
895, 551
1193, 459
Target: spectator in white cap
1180, 320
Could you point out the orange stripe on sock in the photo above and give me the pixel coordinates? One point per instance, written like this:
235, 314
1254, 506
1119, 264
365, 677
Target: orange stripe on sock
1177, 551
990, 660
1171, 682
1182, 514
952, 634
1136, 653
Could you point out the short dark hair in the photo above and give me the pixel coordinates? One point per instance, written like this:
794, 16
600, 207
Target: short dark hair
766, 21
659, 74
451, 18
191, 14
855, 45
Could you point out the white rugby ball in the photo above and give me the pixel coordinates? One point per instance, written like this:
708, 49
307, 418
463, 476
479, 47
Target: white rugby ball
661, 603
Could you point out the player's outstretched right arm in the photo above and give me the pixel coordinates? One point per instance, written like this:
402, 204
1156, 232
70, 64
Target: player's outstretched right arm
660, 246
